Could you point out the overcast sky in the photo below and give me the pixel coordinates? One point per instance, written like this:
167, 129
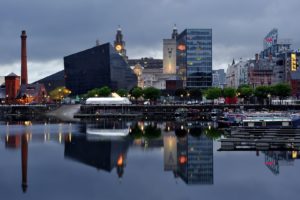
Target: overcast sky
58, 28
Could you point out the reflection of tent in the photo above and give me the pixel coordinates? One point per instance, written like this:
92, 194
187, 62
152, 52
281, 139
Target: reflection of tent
107, 132
101, 154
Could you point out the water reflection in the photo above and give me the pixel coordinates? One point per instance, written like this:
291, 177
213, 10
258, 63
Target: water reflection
14, 142
103, 154
190, 158
185, 149
104, 145
276, 159
20, 134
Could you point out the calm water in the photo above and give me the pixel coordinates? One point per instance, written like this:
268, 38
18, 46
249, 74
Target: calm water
156, 161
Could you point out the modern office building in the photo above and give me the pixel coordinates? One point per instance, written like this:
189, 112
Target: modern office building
194, 57
273, 45
97, 67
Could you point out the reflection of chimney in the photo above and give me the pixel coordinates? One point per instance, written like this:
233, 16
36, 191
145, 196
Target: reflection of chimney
24, 152
24, 77
256, 57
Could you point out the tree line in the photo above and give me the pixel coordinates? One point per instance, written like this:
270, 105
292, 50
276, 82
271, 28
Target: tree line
246, 92
262, 93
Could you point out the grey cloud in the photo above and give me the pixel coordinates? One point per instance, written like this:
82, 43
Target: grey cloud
58, 28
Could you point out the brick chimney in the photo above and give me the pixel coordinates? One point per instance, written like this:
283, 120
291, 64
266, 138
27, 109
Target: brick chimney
24, 76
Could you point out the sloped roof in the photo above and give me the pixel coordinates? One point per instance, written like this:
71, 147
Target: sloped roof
30, 89
12, 74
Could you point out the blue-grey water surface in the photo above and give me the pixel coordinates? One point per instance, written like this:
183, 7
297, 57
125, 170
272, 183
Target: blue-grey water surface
61, 161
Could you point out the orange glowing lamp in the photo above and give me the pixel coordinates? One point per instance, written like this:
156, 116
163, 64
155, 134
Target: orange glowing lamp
120, 160
181, 47
182, 160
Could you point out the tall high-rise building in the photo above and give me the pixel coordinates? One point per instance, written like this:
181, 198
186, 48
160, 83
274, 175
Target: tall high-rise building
119, 43
194, 57
169, 54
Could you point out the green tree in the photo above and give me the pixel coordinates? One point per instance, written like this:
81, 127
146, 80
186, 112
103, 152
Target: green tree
213, 133
93, 93
122, 92
137, 92
282, 90
99, 92
229, 92
245, 91
104, 91
152, 132
180, 92
151, 93
262, 92
59, 93
195, 93
213, 93
136, 132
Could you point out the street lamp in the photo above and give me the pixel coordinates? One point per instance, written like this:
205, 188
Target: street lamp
269, 98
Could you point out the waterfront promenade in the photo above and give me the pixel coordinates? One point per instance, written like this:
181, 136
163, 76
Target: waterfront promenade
158, 109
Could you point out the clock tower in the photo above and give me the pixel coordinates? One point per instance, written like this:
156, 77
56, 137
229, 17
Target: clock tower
119, 43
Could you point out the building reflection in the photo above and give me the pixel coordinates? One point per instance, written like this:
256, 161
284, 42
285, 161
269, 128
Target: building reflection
103, 154
195, 159
188, 152
276, 159
170, 152
189, 155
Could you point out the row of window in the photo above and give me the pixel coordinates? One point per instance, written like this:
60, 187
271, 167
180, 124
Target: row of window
202, 53
197, 42
200, 64
198, 58
197, 48
198, 32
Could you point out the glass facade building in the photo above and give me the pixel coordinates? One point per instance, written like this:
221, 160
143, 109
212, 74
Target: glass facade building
194, 57
97, 67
